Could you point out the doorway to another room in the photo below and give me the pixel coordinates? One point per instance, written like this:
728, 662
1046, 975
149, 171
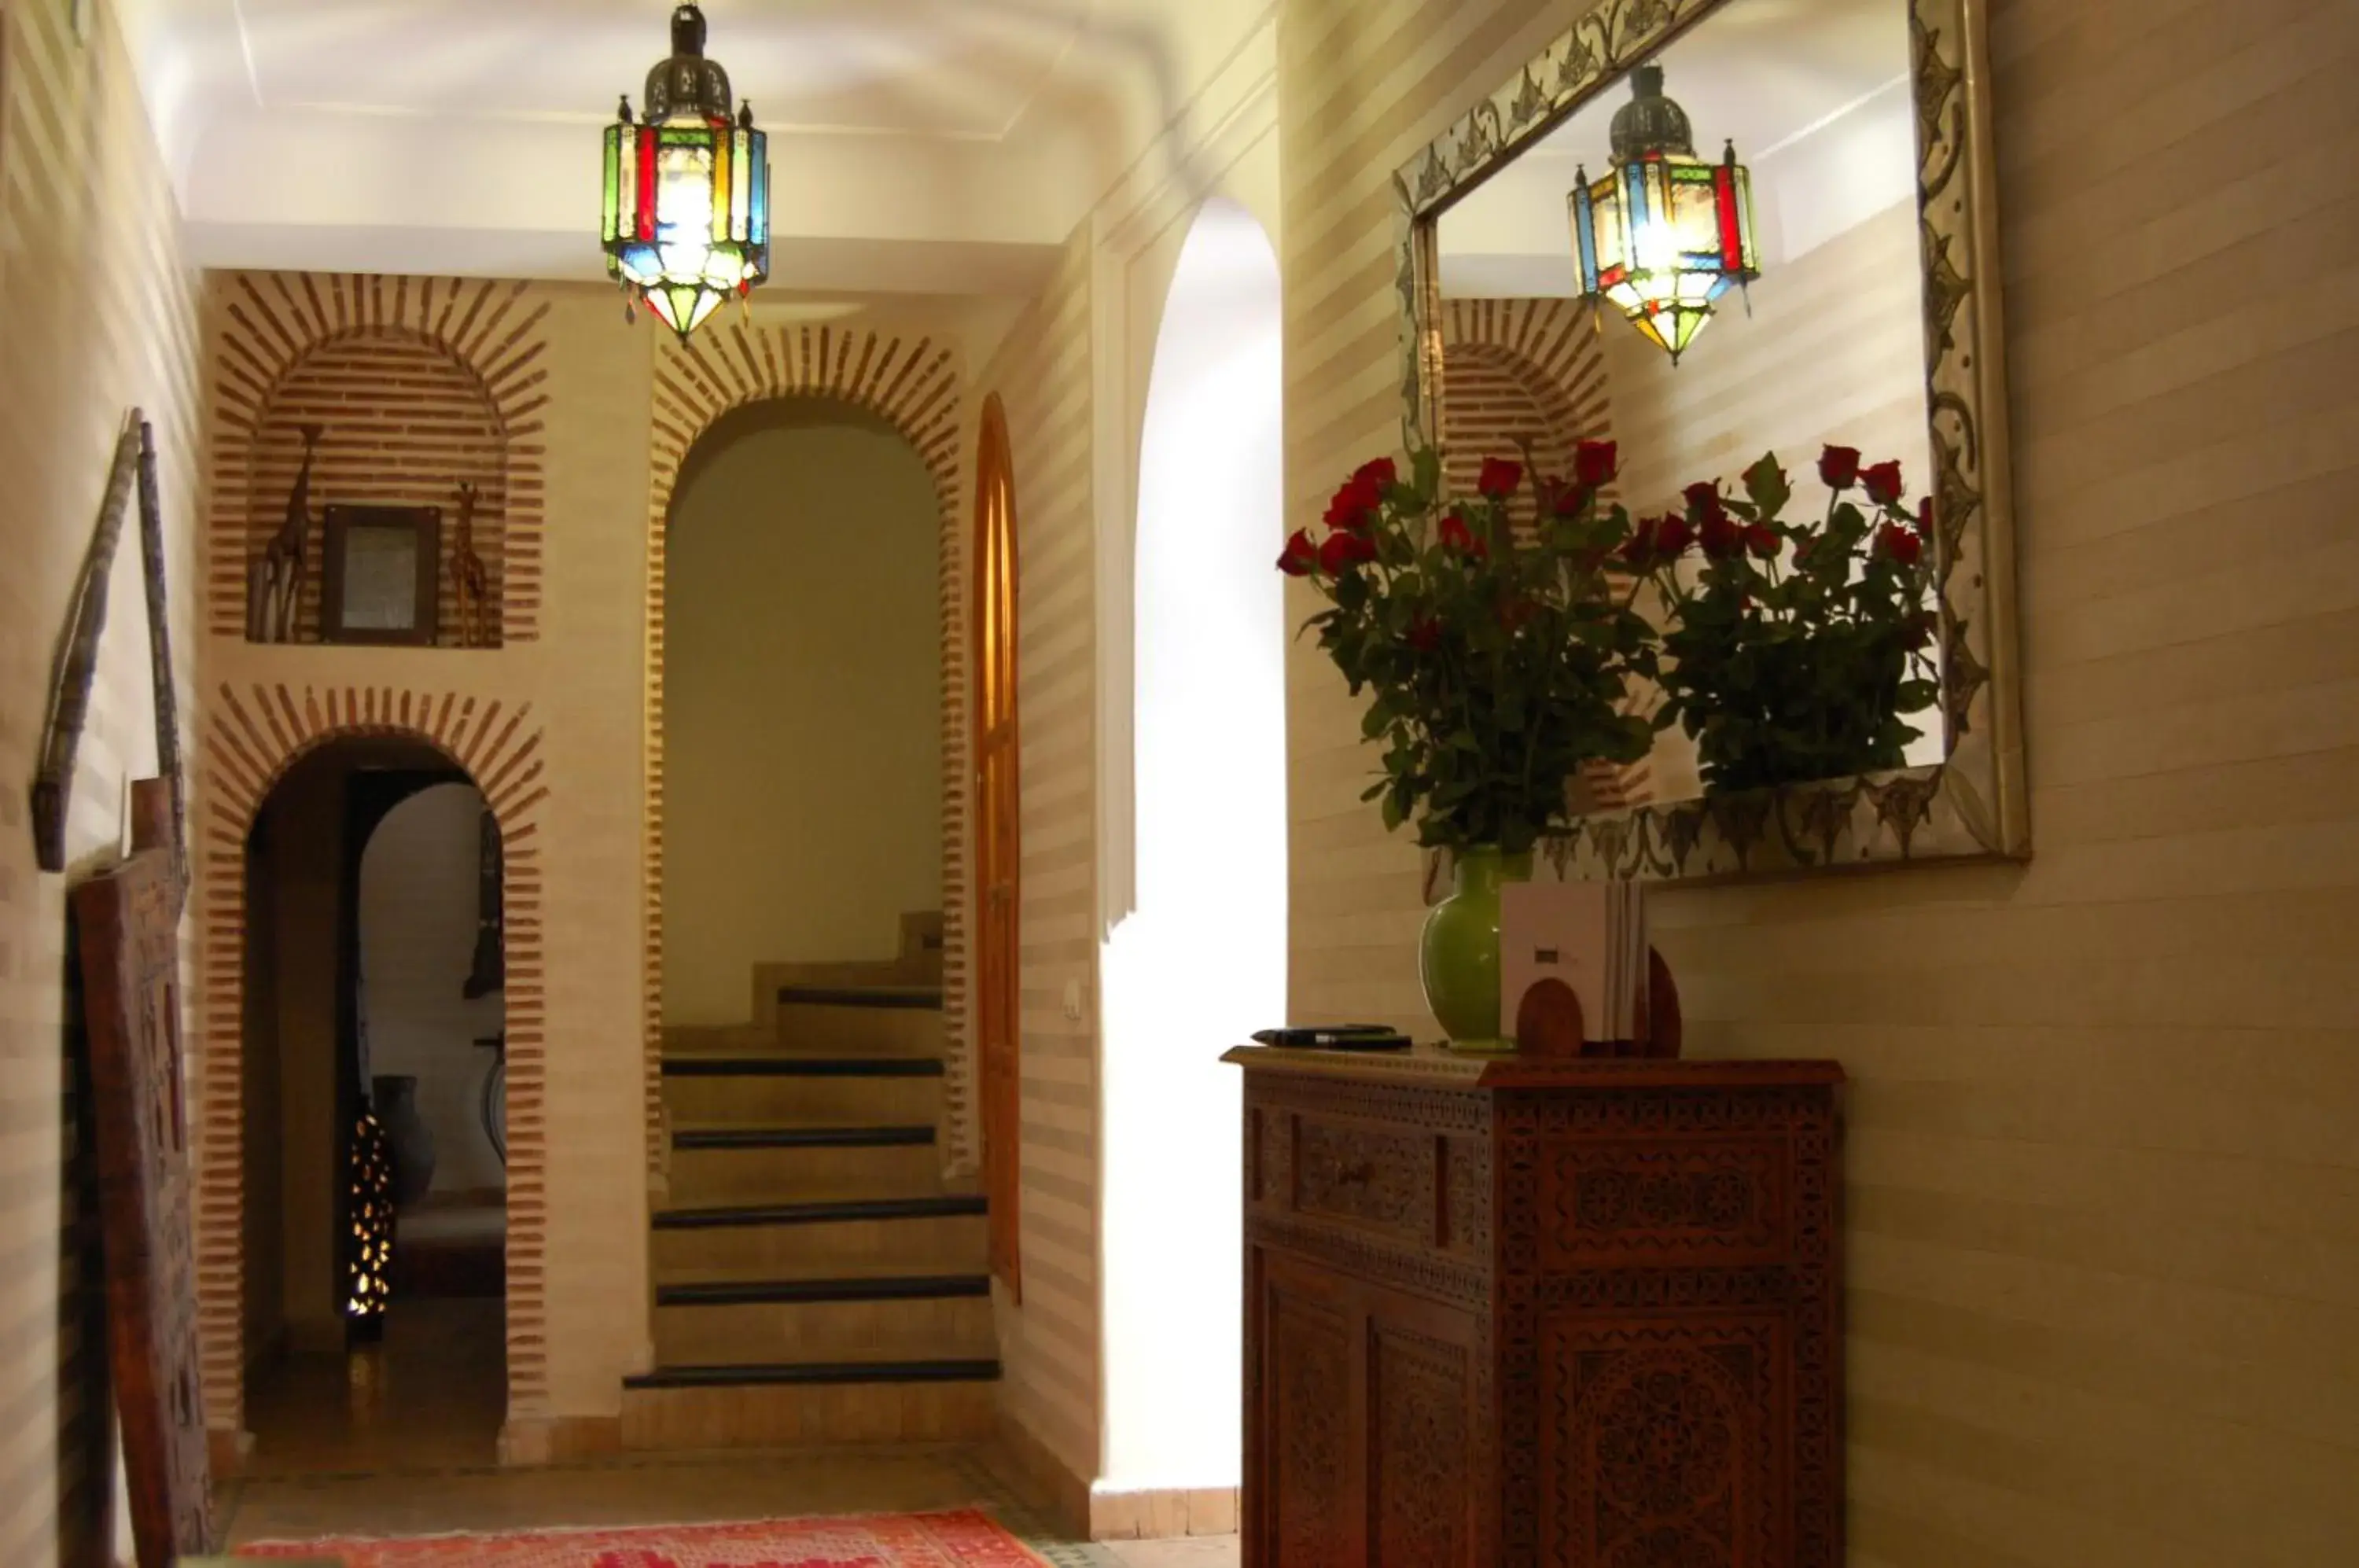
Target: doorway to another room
374, 1222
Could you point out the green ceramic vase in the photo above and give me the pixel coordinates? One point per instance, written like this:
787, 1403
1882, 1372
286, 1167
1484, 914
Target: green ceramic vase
1458, 958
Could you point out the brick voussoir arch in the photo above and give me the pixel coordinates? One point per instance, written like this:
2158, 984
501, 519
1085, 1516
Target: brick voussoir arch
912, 381
253, 735
272, 322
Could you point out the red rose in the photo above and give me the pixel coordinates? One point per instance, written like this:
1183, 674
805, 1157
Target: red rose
1499, 478
1425, 634
1344, 550
1919, 630
1672, 536
1301, 557
1355, 506
1638, 552
1595, 464
1839, 467
1900, 543
1761, 541
1925, 517
1559, 500
1514, 613
1705, 502
1719, 534
1883, 482
1378, 472
1457, 534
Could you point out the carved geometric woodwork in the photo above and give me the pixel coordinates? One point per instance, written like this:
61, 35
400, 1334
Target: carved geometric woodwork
76, 666
127, 920
1541, 1312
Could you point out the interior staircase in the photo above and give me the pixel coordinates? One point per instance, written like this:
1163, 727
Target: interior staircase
816, 1280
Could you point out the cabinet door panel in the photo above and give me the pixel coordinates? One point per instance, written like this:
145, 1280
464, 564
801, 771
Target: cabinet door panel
1312, 1398
1425, 1465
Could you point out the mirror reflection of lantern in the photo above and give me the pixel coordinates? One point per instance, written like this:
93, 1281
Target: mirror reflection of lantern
687, 189
1665, 234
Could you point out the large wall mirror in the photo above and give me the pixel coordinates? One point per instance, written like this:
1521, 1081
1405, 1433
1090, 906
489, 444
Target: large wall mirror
1833, 157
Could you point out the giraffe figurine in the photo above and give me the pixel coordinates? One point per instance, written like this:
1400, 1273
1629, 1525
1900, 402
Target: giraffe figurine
469, 581
275, 594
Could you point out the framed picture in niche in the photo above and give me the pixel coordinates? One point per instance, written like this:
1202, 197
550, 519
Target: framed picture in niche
379, 584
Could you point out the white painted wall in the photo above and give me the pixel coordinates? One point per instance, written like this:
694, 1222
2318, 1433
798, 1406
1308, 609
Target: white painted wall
419, 911
802, 708
1201, 962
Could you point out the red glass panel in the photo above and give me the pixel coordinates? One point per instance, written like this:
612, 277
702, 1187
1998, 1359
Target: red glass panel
647, 182
1732, 243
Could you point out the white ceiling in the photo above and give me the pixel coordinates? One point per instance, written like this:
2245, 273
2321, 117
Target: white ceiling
1814, 93
936, 145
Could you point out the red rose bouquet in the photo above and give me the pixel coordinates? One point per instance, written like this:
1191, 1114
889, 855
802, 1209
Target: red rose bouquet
1498, 657
1794, 652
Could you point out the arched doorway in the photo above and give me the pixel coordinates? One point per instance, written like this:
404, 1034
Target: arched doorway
1202, 960
373, 1325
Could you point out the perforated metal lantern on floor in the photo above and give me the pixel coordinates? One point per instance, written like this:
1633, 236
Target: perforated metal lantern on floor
687, 189
1665, 234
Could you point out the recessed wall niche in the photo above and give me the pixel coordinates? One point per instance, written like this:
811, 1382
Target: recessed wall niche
401, 421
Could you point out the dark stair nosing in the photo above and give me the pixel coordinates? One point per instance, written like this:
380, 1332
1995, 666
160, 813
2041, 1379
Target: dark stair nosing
942, 1206
802, 1066
882, 1288
803, 1138
745, 1374
906, 998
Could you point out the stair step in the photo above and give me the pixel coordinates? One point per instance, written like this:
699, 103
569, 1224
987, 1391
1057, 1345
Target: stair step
719, 1138
753, 1374
843, 1288
787, 1065
709, 1331
780, 1415
824, 1213
705, 1100
906, 999
762, 1168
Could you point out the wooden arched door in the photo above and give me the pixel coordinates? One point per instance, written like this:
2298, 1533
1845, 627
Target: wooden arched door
998, 842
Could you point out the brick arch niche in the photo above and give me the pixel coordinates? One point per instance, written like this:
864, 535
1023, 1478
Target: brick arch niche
256, 733
911, 381
418, 385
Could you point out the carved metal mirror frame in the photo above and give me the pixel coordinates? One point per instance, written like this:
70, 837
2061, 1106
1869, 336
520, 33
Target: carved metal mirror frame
1973, 804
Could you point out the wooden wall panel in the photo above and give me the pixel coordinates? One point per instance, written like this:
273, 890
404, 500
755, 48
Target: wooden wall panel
2102, 1293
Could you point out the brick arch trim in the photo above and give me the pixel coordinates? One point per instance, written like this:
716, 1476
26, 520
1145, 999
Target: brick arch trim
1548, 349
913, 382
273, 322
253, 735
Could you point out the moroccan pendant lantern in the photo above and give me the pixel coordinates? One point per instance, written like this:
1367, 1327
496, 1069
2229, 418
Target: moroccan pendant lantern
687, 189
1665, 234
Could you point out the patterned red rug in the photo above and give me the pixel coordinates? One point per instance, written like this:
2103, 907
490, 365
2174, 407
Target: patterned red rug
964, 1539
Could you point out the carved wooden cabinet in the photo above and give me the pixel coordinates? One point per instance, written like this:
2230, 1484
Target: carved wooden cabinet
1541, 1313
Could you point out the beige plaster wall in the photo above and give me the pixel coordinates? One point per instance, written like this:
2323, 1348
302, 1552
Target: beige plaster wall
96, 313
802, 674
2102, 1300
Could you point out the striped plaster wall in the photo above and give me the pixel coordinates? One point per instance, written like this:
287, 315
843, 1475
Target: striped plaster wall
913, 381
255, 735
1049, 1345
2100, 1229
98, 311
421, 382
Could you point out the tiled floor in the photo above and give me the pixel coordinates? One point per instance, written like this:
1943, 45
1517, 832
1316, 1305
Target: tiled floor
402, 1440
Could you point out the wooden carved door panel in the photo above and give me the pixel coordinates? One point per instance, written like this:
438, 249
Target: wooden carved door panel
1311, 1513
1425, 1489
129, 919
998, 845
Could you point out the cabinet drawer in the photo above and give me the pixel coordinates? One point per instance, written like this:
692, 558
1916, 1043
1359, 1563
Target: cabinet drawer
1413, 1186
